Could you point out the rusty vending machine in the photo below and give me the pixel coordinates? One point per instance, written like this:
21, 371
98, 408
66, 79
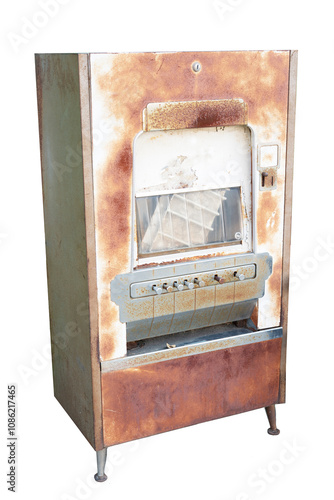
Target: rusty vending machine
167, 185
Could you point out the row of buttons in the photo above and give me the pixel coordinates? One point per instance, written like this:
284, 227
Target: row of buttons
167, 285
186, 284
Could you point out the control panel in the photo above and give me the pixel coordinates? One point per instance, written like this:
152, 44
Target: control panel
191, 281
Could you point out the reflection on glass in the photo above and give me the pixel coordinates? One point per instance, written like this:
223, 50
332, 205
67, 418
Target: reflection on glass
169, 222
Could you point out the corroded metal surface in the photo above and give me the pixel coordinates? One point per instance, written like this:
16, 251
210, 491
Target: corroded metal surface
141, 307
74, 338
122, 87
192, 349
201, 305
195, 114
180, 392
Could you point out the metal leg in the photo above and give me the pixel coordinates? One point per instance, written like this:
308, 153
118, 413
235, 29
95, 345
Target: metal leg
101, 457
271, 414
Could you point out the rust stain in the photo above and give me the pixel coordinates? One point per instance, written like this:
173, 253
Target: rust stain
255, 315
125, 88
269, 226
114, 230
109, 327
268, 216
268, 159
247, 290
184, 259
190, 114
269, 180
274, 286
114, 201
141, 309
185, 391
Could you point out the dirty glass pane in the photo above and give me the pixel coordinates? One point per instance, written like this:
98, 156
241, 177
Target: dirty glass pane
177, 221
232, 214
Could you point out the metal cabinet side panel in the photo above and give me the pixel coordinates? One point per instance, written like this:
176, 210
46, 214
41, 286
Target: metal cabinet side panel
65, 233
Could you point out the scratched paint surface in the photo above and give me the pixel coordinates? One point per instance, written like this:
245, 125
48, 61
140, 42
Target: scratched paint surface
122, 86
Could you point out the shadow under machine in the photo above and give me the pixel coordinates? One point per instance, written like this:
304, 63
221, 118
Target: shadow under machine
167, 200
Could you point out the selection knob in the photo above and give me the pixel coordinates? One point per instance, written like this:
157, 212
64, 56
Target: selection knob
198, 282
157, 289
239, 275
188, 284
167, 287
219, 279
178, 286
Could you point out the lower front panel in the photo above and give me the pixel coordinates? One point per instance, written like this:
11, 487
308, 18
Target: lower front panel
158, 397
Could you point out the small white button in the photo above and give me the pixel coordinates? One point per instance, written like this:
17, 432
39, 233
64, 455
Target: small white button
189, 284
167, 287
178, 286
198, 282
239, 275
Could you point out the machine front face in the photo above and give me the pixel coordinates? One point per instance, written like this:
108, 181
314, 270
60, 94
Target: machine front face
186, 186
189, 199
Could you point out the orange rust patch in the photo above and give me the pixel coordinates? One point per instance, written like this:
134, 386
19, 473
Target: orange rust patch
138, 79
114, 201
247, 290
267, 206
168, 395
255, 315
196, 114
269, 179
274, 286
184, 259
110, 317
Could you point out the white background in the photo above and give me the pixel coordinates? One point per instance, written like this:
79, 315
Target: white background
220, 460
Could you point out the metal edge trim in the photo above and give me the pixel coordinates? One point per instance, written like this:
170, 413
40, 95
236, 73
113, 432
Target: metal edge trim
290, 146
87, 165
